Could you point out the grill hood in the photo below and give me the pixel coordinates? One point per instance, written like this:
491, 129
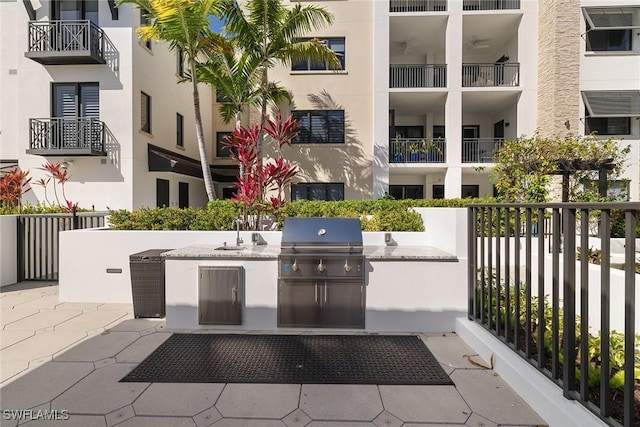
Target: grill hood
321, 232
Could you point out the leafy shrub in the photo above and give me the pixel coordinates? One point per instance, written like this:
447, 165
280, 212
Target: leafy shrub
383, 215
618, 221
36, 209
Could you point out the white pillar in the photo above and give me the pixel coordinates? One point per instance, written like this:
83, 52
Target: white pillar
453, 106
380, 99
453, 183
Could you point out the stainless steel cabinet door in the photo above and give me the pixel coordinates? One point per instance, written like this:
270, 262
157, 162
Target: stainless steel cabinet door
221, 295
299, 303
342, 304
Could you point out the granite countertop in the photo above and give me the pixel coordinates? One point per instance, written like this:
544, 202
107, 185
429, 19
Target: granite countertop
209, 251
373, 252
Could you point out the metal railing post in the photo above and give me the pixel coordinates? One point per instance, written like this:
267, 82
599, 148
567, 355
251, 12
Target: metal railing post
569, 289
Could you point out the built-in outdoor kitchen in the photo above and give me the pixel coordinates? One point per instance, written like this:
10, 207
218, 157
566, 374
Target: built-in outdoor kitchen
321, 274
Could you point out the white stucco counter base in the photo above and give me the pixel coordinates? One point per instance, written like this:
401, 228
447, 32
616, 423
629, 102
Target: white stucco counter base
408, 289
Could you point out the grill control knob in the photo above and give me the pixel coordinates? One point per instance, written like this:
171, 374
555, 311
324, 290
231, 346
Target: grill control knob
294, 267
321, 267
347, 267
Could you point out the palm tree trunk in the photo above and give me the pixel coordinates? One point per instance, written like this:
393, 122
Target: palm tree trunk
202, 148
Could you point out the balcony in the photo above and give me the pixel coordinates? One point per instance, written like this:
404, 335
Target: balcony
490, 4
66, 42
417, 150
491, 75
480, 150
417, 76
62, 136
417, 5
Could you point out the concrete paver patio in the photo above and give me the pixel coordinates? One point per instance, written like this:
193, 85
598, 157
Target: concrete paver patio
69, 358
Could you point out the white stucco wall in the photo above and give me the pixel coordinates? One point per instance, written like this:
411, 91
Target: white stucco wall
121, 179
8, 250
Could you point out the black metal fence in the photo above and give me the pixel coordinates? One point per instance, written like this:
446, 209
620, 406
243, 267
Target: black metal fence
543, 309
417, 150
417, 5
66, 36
480, 150
490, 4
491, 75
67, 133
38, 241
420, 75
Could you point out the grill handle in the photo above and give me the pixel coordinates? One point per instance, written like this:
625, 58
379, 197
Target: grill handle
325, 292
316, 284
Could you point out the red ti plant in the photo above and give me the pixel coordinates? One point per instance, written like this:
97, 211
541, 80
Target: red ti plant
12, 187
256, 179
59, 176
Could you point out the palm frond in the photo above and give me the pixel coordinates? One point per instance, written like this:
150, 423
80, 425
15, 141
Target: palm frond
314, 51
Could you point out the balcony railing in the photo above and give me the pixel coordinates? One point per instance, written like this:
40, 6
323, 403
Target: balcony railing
62, 136
417, 150
66, 42
490, 4
414, 76
491, 75
540, 302
480, 150
417, 5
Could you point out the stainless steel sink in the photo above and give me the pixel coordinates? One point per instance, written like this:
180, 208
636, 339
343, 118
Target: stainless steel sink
230, 248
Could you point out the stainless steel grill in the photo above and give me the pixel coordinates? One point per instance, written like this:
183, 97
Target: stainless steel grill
321, 273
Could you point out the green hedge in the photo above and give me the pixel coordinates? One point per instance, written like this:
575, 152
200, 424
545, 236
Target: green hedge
617, 223
217, 215
375, 215
35, 209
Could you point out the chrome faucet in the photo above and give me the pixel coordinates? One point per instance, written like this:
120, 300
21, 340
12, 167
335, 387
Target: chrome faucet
239, 240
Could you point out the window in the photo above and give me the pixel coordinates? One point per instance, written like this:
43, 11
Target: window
317, 191
180, 63
179, 130
617, 189
409, 131
335, 44
75, 10
162, 193
183, 195
221, 150
75, 100
438, 191
73, 108
228, 193
144, 20
608, 125
610, 28
406, 191
145, 112
609, 40
319, 126
222, 99
470, 191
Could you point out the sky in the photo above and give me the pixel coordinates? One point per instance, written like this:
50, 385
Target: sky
216, 25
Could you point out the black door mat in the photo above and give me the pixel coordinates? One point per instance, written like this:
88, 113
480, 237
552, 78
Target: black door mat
291, 359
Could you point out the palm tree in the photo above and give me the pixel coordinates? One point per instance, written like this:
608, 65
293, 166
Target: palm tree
236, 78
184, 25
271, 34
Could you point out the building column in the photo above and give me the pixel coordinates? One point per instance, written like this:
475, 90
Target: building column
453, 105
380, 99
453, 183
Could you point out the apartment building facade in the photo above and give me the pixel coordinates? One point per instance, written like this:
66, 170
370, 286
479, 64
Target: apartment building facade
609, 79
79, 88
428, 91
431, 89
